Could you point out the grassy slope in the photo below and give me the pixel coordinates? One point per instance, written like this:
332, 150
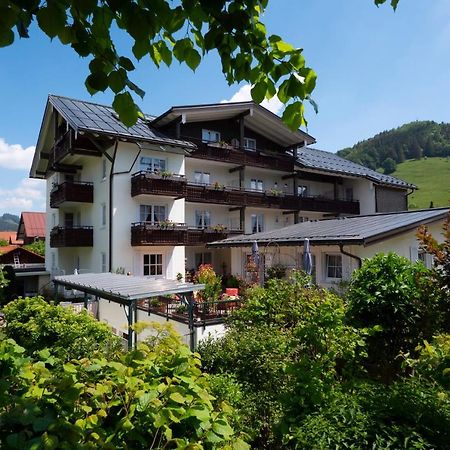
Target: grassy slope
432, 176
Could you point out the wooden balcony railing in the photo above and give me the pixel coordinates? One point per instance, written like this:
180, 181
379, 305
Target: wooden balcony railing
196, 236
169, 233
226, 153
72, 191
158, 184
61, 147
266, 199
72, 237
164, 233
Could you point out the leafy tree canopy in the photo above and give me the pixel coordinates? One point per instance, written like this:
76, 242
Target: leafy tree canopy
37, 247
163, 30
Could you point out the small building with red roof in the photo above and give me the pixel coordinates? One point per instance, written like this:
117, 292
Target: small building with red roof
31, 227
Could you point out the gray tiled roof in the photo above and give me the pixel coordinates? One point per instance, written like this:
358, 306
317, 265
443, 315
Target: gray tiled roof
88, 116
312, 158
356, 230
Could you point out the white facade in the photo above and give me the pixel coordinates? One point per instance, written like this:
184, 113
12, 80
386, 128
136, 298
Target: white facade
324, 272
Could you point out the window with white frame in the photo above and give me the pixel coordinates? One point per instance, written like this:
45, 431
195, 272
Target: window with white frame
103, 262
202, 219
333, 266
151, 164
153, 264
349, 194
201, 177
426, 258
152, 213
203, 258
256, 185
257, 223
53, 260
250, 144
210, 136
103, 214
68, 220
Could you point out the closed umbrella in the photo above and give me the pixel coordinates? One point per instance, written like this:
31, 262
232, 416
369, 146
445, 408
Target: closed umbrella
255, 253
307, 257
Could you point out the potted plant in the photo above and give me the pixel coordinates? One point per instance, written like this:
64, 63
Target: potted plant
166, 174
217, 186
213, 288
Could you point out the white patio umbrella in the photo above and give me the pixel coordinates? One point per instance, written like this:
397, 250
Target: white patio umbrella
255, 253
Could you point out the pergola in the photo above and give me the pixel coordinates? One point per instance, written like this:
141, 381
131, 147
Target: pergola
127, 290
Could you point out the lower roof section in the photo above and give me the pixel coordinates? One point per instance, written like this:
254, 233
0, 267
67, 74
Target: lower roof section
359, 230
124, 288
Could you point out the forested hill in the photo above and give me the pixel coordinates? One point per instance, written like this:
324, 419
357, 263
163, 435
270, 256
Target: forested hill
9, 222
410, 141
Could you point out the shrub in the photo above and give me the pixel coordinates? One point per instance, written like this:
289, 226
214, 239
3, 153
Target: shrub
35, 324
152, 397
213, 283
390, 295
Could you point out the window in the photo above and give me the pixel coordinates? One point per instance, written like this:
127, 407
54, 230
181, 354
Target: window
203, 258
103, 262
257, 223
256, 185
153, 264
426, 258
202, 219
349, 194
302, 191
210, 136
201, 177
103, 214
250, 144
103, 169
152, 213
150, 164
53, 260
53, 220
334, 266
68, 220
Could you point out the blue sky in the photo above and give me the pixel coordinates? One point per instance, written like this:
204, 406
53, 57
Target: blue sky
376, 70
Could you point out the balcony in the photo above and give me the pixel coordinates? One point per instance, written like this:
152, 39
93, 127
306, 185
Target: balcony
199, 236
71, 191
215, 151
158, 184
163, 233
267, 199
170, 233
72, 237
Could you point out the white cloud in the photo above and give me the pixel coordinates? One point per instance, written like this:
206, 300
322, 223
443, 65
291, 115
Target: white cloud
14, 156
244, 95
28, 196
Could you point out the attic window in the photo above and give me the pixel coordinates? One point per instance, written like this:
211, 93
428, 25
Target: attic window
250, 144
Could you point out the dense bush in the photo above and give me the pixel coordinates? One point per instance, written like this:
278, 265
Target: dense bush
35, 325
285, 348
392, 296
152, 397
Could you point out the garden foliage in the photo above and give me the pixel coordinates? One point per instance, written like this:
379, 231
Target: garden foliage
154, 396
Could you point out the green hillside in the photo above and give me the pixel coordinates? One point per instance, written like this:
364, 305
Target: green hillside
432, 176
410, 141
9, 222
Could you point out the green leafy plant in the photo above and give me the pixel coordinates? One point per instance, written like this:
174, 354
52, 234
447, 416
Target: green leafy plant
392, 296
35, 324
154, 396
37, 247
276, 271
213, 283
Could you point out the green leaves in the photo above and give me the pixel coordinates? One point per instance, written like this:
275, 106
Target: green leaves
109, 399
160, 31
125, 107
51, 19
